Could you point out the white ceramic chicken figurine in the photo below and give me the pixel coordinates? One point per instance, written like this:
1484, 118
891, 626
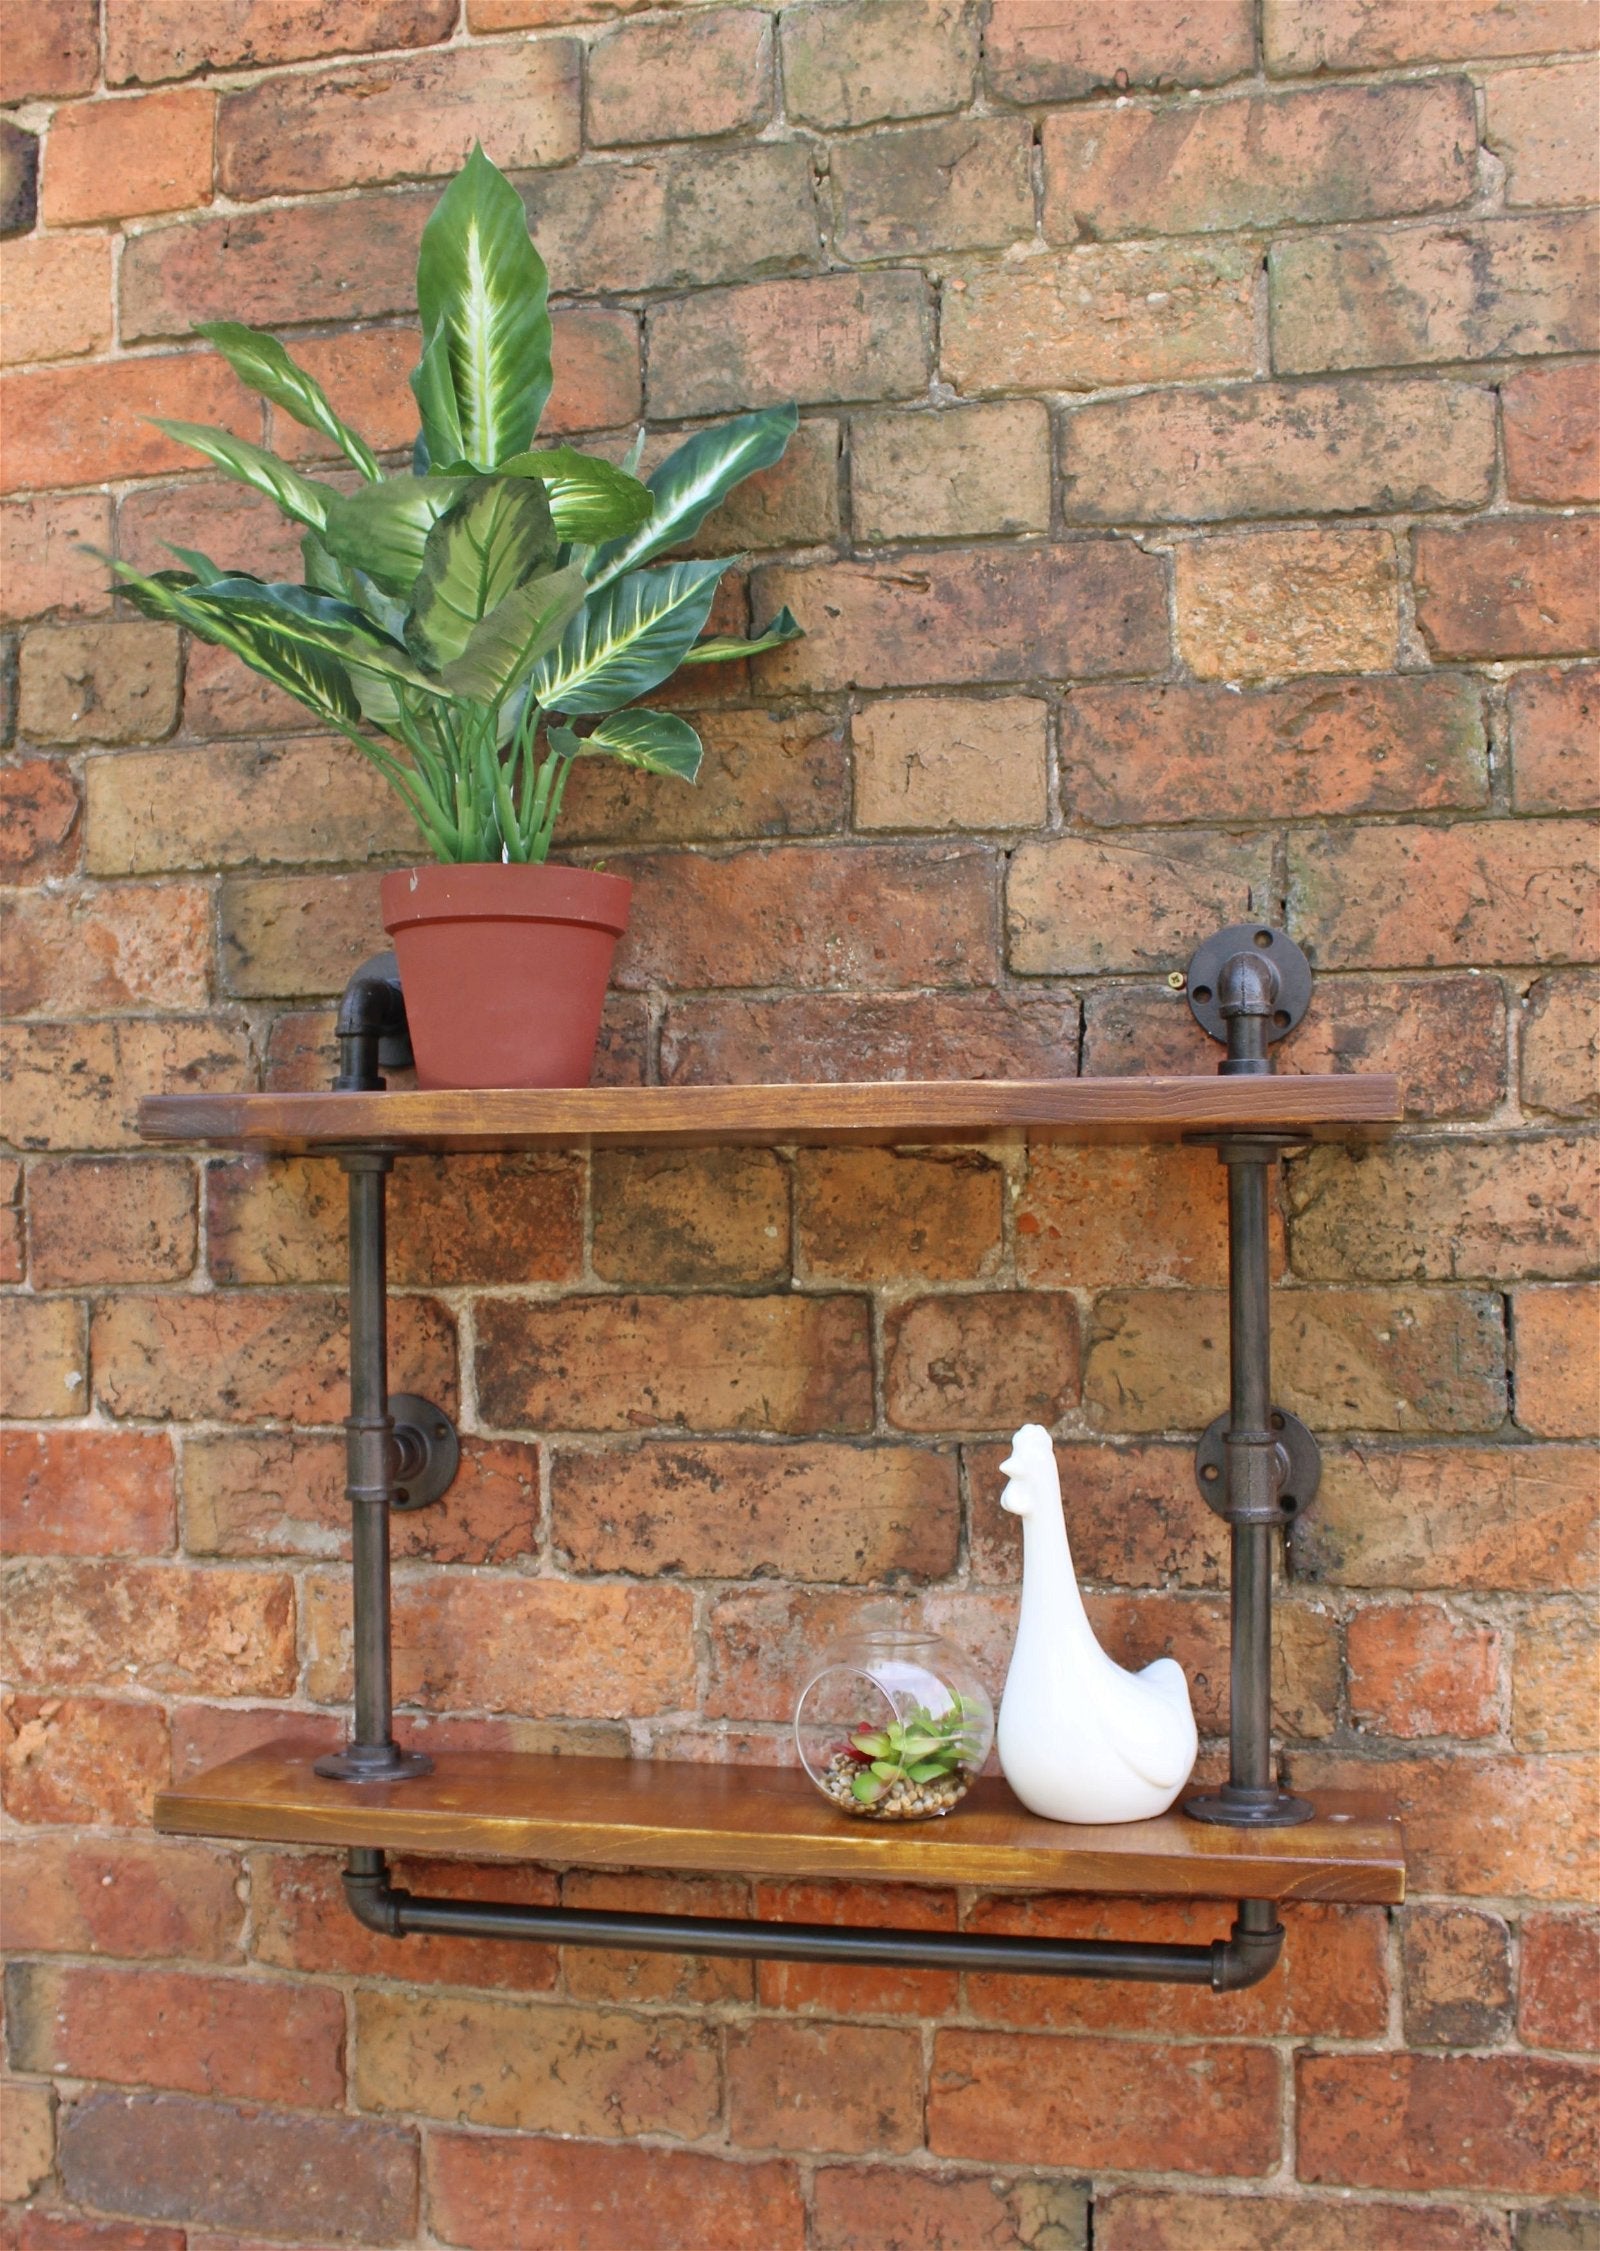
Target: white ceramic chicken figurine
1079, 1739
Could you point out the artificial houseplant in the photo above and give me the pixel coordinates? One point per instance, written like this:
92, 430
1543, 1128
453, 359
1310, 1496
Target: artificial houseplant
475, 625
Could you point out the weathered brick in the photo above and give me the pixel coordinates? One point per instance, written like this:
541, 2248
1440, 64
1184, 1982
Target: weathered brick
227, 521
1097, 1218
864, 1214
58, 298
737, 1511
1279, 449
1483, 891
12, 1258
78, 1758
856, 1988
1306, 35
46, 1362
76, 1086
39, 831
175, 2157
99, 683
839, 336
1534, 125
1101, 315
1475, 1517
1135, 2219
1553, 721
766, 774
125, 159
149, 40
1510, 588
1038, 2100
87, 952
81, 425
980, 1362
1551, 435
1555, 1333
687, 219
45, 2230
1560, 1979
1059, 50
1077, 905
1087, 610
856, 63
764, 1639
370, 124
607, 1973
1553, 1678
687, 1216
961, 472
605, 1651
795, 503
1449, 1211
1367, 152
1490, 1824
794, 914
522, 2193
965, 185
129, 1897
1262, 603
1457, 1991
87, 1492
1557, 2230
346, 261
19, 178
1134, 1522
864, 2207
156, 1626
1493, 2122
283, 936
805, 1037
300, 1921
228, 805
1343, 1359
43, 554
1484, 289
940, 762
221, 696
1421, 1669
711, 1363
824, 2086
52, 50
29, 2155
681, 79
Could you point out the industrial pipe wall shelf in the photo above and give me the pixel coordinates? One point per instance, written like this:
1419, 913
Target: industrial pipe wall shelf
1257, 1466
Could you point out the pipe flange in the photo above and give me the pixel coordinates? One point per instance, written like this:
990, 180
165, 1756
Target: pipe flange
1289, 965
1299, 1467
427, 1452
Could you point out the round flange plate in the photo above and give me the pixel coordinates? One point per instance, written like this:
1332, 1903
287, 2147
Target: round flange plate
361, 1763
427, 1450
1207, 963
1299, 1459
1250, 1809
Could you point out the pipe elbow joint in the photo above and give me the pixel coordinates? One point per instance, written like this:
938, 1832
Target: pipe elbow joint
375, 1903
1244, 1957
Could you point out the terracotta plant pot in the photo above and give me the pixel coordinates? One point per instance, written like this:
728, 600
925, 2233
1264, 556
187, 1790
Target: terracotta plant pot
504, 969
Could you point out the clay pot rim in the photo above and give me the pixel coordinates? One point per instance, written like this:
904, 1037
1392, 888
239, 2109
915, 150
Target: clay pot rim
500, 891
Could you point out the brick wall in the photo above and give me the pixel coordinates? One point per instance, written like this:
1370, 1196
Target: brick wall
1185, 521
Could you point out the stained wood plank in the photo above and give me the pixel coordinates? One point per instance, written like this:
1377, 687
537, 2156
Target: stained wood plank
769, 1821
1320, 1105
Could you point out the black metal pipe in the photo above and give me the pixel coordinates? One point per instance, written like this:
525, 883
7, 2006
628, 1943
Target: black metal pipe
371, 1027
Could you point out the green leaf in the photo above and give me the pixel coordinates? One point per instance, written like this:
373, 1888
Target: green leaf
589, 499
929, 1770
627, 639
865, 1789
690, 482
434, 388
887, 1770
515, 635
383, 529
723, 650
655, 740
300, 497
261, 361
493, 536
482, 291
313, 676
204, 570
869, 1745
301, 616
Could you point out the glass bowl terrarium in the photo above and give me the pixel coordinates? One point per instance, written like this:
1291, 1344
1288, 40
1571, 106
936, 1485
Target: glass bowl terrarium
893, 1725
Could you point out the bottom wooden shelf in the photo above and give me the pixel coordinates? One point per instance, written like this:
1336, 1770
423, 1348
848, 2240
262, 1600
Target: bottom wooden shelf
768, 1821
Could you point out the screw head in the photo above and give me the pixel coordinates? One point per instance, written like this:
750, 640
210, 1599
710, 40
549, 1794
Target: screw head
1176, 980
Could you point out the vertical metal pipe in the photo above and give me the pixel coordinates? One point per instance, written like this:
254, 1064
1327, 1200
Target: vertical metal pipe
1251, 1474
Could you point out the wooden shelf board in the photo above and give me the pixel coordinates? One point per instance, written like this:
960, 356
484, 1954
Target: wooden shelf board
769, 1821
1127, 1109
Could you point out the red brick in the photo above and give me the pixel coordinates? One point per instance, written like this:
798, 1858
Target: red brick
58, 298
867, 1214
38, 2229
207, 1735
1457, 1990
739, 1511
764, 1640
1492, 2122
298, 264
961, 471
1082, 905
1042, 2101
1477, 1825
75, 1758
299, 1920
963, 185
681, 79
373, 123
1553, 1679
1483, 891
767, 774
605, 1973
86, 953
1092, 1218
1307, 35
1553, 720
1473, 1517
872, 59
824, 2086
44, 558
1100, 315
1275, 449
11, 1242
249, 2038
795, 503
305, 2177
45, 1360
51, 50
1556, 1332
1535, 127
130, 158
686, 1216
1134, 2219
1449, 1211
1059, 50
228, 521
1551, 436
1560, 1983
1347, 152
804, 1037
1561, 1045
505, 2193
82, 425
221, 696
684, 218
153, 39
980, 1361
1134, 1522
131, 1897
837, 337
867, 2207
1085, 610
77, 1086
1256, 604
1483, 290
87, 1492
166, 1628
1420, 1669
1511, 588
856, 1989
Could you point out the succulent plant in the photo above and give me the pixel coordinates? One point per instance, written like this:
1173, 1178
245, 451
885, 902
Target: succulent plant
916, 1748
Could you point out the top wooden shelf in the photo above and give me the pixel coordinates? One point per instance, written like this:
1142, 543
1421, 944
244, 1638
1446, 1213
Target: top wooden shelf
915, 1110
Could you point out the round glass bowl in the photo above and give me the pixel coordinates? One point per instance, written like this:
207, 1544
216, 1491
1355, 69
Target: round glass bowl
893, 1725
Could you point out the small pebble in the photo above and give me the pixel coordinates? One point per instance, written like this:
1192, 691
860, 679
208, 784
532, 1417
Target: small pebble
902, 1801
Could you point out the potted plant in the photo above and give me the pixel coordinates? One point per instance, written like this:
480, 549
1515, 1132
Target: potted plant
474, 626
